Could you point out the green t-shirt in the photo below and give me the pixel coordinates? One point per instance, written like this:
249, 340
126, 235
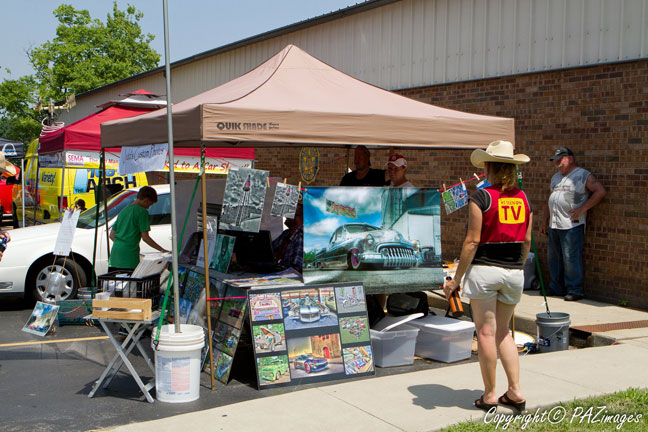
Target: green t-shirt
130, 224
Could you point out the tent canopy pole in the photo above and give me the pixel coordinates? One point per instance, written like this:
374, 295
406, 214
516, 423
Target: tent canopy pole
174, 245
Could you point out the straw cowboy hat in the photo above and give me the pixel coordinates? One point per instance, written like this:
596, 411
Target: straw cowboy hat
497, 151
6, 167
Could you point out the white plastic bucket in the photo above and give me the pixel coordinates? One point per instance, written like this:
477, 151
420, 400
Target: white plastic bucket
177, 363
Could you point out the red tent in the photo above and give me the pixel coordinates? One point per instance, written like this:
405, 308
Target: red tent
85, 134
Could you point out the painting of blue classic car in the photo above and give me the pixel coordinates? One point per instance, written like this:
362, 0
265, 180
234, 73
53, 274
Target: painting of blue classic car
381, 236
358, 246
310, 364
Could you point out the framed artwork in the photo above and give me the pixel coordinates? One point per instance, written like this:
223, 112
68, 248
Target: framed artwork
42, 318
313, 339
222, 253
285, 200
381, 236
243, 201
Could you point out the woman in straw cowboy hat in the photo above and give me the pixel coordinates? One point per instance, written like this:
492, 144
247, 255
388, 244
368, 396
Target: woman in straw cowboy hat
491, 266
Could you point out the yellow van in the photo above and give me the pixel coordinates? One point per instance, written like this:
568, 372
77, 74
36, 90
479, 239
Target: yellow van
58, 188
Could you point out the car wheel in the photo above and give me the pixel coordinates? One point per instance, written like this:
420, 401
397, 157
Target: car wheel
306, 368
318, 265
353, 259
277, 376
58, 282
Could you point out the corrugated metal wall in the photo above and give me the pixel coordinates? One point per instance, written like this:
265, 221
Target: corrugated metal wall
415, 43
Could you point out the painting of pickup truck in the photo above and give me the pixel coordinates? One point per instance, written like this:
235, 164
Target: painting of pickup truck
273, 370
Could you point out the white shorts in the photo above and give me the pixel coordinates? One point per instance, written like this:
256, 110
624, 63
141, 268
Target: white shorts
482, 282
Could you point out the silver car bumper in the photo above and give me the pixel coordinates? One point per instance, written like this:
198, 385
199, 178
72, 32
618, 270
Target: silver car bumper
391, 257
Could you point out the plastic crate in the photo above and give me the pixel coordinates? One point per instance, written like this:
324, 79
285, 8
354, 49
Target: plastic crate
443, 339
394, 347
119, 285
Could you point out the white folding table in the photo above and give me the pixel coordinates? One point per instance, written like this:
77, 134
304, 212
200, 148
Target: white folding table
135, 330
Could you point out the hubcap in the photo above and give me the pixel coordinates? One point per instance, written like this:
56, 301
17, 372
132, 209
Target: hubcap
50, 283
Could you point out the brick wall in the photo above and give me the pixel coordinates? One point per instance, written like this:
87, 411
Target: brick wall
600, 112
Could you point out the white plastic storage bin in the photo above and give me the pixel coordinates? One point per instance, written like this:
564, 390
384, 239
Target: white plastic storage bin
443, 339
394, 347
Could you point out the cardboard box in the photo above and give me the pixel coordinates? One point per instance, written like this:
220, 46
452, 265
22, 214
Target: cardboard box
443, 339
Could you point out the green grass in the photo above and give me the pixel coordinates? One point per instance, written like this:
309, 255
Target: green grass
629, 402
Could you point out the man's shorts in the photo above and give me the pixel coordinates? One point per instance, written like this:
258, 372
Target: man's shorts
484, 282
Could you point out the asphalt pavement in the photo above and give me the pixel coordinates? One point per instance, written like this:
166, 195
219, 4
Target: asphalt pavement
45, 381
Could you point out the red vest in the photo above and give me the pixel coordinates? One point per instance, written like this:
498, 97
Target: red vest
507, 218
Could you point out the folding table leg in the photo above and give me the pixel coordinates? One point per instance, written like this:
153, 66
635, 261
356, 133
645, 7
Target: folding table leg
134, 334
108, 369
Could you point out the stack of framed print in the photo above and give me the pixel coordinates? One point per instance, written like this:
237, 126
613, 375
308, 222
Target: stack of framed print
310, 334
389, 238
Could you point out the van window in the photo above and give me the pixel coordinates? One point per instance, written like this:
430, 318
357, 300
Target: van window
160, 212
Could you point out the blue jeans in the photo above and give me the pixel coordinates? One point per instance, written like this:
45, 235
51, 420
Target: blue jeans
565, 254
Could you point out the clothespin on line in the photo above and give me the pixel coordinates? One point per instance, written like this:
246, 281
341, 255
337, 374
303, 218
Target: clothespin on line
462, 183
268, 179
285, 181
444, 188
476, 176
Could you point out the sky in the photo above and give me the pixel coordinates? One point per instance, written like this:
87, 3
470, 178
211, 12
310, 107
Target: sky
320, 224
195, 26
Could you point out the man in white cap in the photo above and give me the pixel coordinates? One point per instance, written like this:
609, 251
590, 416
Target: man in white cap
574, 190
8, 170
397, 171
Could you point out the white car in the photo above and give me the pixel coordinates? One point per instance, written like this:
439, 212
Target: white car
29, 268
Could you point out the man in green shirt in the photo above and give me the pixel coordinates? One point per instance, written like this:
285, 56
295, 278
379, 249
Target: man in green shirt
132, 225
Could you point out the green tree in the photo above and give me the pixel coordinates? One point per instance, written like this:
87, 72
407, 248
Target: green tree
85, 54
19, 120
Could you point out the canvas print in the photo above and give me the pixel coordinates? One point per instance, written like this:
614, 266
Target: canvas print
204, 353
245, 193
358, 360
285, 201
265, 307
320, 345
225, 338
455, 198
223, 367
193, 286
382, 236
185, 310
233, 309
350, 298
306, 308
312, 356
354, 329
273, 370
41, 320
269, 338
212, 228
448, 202
222, 253
282, 278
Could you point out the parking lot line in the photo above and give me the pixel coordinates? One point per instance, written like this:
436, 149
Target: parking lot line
52, 341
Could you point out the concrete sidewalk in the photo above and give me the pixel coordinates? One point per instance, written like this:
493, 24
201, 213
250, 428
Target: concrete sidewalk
583, 314
436, 398
422, 401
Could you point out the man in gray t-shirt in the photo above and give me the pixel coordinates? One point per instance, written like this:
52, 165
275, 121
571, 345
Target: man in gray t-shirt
574, 190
